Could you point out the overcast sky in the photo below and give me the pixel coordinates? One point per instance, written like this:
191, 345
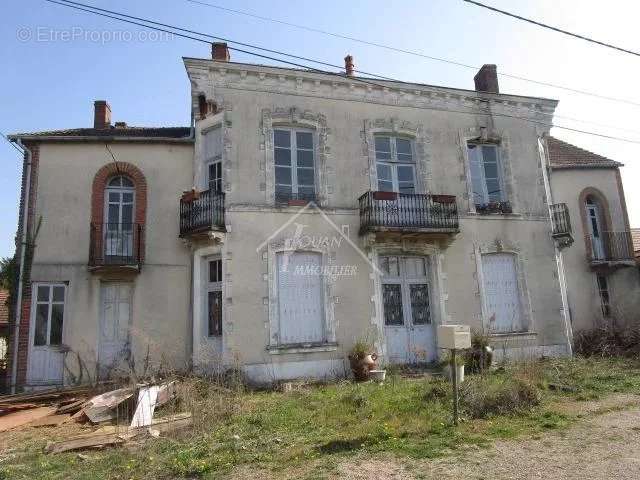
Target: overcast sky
49, 81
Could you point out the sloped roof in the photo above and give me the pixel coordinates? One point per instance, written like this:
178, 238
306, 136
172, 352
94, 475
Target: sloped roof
635, 237
565, 155
142, 133
4, 309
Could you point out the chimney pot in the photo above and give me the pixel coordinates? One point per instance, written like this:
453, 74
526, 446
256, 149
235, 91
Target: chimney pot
348, 65
486, 79
120, 124
101, 114
220, 52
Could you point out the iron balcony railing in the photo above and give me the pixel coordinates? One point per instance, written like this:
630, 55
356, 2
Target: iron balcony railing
116, 244
610, 247
561, 223
203, 212
407, 211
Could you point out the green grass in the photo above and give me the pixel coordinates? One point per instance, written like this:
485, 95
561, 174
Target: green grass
321, 425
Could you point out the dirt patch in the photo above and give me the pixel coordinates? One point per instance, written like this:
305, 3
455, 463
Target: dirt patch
603, 445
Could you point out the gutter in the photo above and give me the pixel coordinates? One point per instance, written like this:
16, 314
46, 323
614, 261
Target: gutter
102, 139
23, 250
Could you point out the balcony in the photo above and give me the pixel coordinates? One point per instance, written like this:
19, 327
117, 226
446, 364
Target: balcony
116, 247
201, 213
416, 215
561, 225
610, 250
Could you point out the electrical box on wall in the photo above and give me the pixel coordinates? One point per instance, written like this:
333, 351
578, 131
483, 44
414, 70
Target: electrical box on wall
454, 336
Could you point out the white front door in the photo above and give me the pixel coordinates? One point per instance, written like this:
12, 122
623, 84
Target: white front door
46, 355
408, 325
115, 321
593, 219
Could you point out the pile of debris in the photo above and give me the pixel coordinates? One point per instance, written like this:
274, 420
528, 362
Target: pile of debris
120, 415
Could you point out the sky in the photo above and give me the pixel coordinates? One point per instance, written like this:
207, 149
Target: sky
56, 61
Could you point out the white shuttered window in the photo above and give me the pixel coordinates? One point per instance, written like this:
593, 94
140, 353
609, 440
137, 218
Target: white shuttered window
501, 293
300, 298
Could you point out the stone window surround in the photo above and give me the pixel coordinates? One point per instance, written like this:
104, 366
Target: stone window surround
295, 118
500, 246
274, 346
395, 127
217, 120
438, 288
494, 137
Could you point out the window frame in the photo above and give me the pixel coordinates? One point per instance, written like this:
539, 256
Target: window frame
405, 280
293, 165
50, 303
604, 293
483, 178
214, 286
210, 160
394, 162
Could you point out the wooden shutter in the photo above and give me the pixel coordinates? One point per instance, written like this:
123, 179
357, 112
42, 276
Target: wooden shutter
501, 292
300, 298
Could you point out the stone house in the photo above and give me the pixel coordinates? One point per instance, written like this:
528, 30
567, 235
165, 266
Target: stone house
301, 211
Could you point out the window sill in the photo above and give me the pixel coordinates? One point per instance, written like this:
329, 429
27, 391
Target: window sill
494, 215
507, 335
302, 348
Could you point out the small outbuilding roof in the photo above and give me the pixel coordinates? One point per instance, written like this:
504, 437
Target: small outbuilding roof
565, 155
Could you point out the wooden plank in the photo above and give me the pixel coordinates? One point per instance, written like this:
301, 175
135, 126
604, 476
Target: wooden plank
50, 421
71, 407
18, 419
147, 397
103, 407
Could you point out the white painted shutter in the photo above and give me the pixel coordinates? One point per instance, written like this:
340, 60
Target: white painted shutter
501, 293
300, 297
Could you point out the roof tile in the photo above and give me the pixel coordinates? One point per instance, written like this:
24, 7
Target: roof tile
565, 155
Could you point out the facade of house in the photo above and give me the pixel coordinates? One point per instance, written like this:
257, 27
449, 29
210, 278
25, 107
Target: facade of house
302, 211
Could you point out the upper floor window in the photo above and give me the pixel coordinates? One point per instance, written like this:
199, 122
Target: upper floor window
294, 164
395, 164
213, 159
484, 165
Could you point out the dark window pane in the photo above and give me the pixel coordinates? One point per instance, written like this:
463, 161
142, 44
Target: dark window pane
493, 189
383, 144
420, 304
282, 156
406, 187
304, 140
385, 186
114, 211
40, 334
384, 171
215, 313
490, 153
405, 158
305, 158
405, 174
282, 138
127, 214
392, 301
57, 317
126, 182
127, 197
215, 271
403, 146
305, 176
306, 193
43, 293
490, 170
283, 175
114, 197
58, 294
115, 182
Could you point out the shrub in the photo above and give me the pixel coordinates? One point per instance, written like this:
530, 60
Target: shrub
608, 341
483, 397
437, 389
479, 357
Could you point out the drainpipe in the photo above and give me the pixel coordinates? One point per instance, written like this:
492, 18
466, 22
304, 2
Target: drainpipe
23, 250
192, 136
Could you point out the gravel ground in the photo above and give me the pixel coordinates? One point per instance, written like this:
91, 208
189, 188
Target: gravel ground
601, 446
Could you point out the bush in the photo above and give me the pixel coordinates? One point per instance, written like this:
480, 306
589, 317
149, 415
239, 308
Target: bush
480, 356
608, 341
482, 397
437, 389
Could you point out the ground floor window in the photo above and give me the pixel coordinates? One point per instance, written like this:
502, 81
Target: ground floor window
300, 283
214, 298
49, 315
603, 290
502, 296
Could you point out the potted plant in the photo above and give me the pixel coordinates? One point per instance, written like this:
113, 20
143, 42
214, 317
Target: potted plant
362, 359
190, 195
446, 367
480, 356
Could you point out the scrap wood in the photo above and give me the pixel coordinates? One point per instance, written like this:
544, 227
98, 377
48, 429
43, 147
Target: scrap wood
111, 435
147, 397
43, 395
103, 407
71, 407
50, 421
18, 419
8, 408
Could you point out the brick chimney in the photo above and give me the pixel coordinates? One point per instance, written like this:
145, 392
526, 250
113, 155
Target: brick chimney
348, 65
486, 79
101, 114
220, 52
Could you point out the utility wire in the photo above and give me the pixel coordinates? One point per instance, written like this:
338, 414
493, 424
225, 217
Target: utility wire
555, 29
355, 79
416, 53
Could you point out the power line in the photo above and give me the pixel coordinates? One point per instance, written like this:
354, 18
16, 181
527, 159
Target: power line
355, 79
549, 27
416, 53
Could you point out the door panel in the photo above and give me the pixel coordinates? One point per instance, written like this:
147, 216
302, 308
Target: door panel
115, 321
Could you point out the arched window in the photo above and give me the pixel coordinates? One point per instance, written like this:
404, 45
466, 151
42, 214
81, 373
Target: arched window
119, 208
595, 226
